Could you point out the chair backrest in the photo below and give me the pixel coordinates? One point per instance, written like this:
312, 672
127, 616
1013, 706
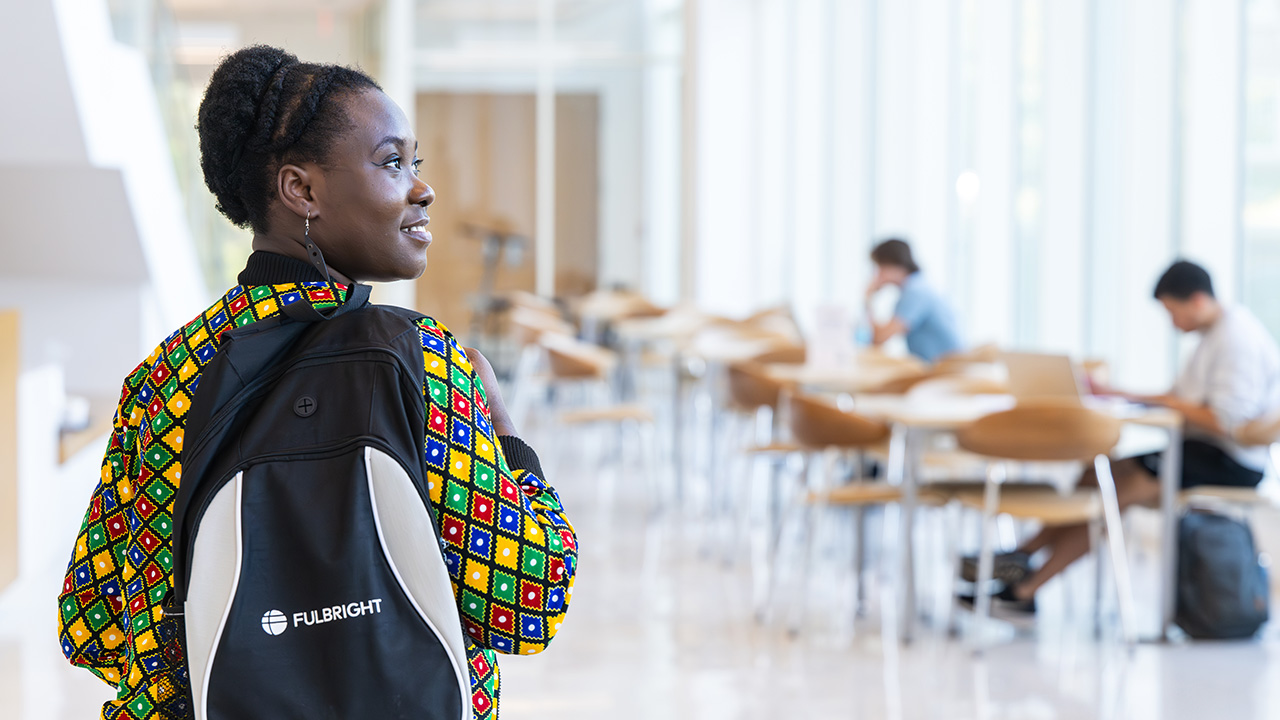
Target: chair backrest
777, 320
528, 324
571, 359
615, 305
523, 299
790, 354
818, 423
750, 387
987, 353
1045, 431
676, 325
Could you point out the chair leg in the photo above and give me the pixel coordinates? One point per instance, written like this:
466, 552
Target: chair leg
986, 556
954, 523
813, 515
859, 560
791, 506
743, 487
740, 523
651, 466
1119, 554
1095, 551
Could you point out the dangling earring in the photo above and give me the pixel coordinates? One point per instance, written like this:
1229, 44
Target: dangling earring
313, 252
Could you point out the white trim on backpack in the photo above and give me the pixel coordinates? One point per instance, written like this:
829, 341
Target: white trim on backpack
209, 554
413, 540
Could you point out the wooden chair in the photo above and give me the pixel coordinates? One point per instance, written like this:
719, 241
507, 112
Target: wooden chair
1264, 430
824, 430
986, 353
788, 354
573, 361
982, 361
752, 413
701, 375
600, 308
754, 396
527, 324
1049, 432
575, 364
10, 373
778, 320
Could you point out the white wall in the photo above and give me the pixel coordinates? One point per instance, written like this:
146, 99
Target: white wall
120, 119
95, 333
92, 225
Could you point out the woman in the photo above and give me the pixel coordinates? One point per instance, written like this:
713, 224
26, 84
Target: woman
303, 155
921, 314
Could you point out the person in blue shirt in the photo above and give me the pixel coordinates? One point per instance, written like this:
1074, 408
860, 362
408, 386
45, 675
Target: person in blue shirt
921, 314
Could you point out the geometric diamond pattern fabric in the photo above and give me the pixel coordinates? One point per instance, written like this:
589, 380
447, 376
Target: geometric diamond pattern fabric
510, 551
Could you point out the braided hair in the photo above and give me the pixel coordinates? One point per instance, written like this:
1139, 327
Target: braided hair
263, 108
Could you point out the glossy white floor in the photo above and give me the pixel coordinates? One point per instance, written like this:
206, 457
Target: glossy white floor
662, 627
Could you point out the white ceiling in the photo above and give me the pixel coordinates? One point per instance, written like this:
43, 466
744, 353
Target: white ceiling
469, 11
232, 8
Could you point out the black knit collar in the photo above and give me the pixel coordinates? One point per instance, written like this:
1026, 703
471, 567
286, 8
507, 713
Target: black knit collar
265, 268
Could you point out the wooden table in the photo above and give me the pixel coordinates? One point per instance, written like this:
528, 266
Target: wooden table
911, 420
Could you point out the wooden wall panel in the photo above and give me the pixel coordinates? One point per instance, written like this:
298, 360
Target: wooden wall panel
9, 368
478, 152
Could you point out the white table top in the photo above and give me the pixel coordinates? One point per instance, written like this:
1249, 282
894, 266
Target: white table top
954, 413
859, 377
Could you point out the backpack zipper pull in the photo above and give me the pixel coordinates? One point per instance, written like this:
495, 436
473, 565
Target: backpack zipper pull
169, 606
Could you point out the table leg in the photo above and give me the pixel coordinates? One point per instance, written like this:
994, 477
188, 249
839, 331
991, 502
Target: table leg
1170, 482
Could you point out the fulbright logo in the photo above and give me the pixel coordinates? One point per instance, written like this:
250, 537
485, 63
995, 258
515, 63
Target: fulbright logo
274, 622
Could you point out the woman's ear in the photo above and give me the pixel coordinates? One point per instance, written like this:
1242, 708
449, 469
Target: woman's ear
293, 186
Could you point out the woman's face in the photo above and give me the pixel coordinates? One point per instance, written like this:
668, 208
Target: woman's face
371, 207
889, 275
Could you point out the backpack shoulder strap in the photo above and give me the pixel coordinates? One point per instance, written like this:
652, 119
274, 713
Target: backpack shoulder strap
357, 297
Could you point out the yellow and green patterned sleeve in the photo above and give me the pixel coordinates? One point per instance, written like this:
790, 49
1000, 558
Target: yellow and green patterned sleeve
510, 549
90, 607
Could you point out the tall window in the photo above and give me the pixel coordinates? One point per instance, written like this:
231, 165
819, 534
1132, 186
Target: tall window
1261, 221
1028, 213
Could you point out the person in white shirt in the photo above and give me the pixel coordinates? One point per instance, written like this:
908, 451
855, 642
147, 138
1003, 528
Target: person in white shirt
1232, 377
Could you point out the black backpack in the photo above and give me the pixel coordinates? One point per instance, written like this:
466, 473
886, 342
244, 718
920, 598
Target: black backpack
308, 570
1222, 586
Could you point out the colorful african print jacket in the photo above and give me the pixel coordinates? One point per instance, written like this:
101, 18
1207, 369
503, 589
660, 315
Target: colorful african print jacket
509, 548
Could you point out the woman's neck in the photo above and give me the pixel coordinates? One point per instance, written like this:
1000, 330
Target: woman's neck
289, 247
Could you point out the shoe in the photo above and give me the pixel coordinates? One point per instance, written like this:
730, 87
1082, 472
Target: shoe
1010, 568
1004, 604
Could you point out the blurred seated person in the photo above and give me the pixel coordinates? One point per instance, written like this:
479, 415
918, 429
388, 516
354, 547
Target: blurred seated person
1232, 377
921, 314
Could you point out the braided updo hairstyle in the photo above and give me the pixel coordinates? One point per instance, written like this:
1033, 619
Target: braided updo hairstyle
263, 108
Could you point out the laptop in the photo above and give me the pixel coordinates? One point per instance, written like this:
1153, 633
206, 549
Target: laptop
1036, 376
